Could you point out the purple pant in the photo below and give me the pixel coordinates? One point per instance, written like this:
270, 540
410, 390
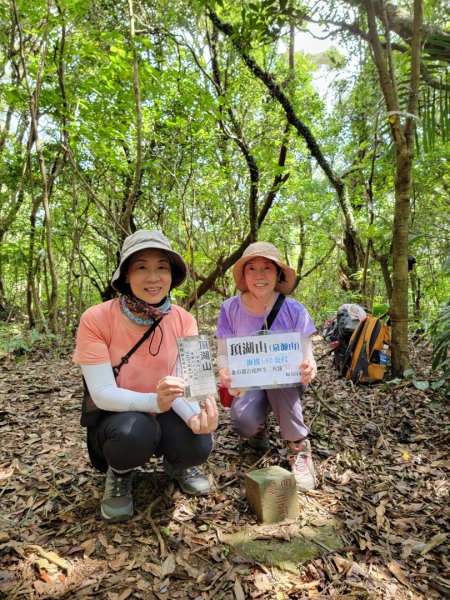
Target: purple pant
249, 413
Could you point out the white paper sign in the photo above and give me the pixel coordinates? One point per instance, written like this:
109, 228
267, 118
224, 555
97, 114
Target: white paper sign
264, 361
196, 365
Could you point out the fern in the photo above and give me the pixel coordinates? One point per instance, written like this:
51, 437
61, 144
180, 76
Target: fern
440, 335
17, 342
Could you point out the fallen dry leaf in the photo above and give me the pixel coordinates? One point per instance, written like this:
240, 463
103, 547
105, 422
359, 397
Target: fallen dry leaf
89, 546
168, 566
119, 562
125, 594
152, 568
263, 582
238, 591
396, 570
380, 512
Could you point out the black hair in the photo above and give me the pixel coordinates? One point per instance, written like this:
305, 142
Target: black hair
120, 284
280, 273
124, 288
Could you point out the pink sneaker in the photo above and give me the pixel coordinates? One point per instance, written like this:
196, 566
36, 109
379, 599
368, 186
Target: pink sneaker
299, 456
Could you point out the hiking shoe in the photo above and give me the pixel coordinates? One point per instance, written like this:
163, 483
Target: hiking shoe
299, 456
191, 480
260, 441
117, 501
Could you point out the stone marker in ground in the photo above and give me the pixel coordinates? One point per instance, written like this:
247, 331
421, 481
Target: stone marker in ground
272, 494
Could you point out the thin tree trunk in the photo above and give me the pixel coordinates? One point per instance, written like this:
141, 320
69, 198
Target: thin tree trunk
383, 260
237, 136
34, 137
399, 300
403, 136
34, 306
126, 217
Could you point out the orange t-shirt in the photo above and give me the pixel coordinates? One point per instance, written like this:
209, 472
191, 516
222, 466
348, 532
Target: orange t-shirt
105, 334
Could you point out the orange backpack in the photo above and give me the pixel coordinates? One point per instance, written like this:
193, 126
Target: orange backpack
362, 359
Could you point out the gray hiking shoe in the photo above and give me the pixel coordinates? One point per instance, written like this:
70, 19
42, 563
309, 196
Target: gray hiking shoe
191, 480
117, 501
299, 456
260, 442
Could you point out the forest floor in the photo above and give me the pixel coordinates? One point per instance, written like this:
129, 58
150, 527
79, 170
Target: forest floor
374, 529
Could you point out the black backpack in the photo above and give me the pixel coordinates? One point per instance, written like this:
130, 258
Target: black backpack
345, 326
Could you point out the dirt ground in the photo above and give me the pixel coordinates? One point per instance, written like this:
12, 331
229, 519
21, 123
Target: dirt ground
381, 456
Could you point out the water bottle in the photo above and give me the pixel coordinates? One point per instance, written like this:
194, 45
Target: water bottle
385, 357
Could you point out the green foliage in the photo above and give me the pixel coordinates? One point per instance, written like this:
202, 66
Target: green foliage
440, 336
15, 341
195, 178
379, 309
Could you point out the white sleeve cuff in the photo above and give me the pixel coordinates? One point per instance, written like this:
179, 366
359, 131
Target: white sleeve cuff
185, 409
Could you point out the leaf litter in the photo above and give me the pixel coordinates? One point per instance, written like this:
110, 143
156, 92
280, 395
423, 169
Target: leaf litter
381, 456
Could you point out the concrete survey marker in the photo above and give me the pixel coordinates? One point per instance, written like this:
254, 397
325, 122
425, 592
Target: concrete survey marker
272, 494
301, 543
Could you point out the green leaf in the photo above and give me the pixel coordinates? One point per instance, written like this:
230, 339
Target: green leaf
421, 385
437, 384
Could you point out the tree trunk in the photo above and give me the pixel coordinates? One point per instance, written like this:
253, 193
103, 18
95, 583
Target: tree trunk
383, 260
126, 217
399, 301
436, 41
33, 300
403, 136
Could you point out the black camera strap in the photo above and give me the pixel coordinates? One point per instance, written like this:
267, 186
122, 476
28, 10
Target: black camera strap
273, 313
126, 358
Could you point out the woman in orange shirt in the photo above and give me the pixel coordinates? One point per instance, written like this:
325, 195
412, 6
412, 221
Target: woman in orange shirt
140, 410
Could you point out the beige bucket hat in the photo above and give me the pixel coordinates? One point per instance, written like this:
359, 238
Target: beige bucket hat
287, 277
145, 239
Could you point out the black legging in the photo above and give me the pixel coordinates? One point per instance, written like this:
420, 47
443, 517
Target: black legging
129, 439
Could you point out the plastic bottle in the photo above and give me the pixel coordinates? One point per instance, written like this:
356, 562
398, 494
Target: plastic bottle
385, 356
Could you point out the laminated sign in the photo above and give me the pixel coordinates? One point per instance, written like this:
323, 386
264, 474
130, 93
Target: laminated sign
196, 364
265, 361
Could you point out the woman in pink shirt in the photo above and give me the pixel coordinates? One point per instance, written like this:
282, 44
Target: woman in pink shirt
134, 406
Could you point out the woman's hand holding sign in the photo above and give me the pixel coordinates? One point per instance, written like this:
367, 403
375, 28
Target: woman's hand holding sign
225, 381
308, 370
207, 420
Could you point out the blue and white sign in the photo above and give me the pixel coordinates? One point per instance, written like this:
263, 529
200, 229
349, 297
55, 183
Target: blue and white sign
265, 361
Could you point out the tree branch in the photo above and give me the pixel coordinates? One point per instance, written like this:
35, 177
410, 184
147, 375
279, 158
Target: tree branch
354, 248
318, 264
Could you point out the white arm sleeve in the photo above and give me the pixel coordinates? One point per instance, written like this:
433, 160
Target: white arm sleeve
182, 407
307, 350
104, 392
